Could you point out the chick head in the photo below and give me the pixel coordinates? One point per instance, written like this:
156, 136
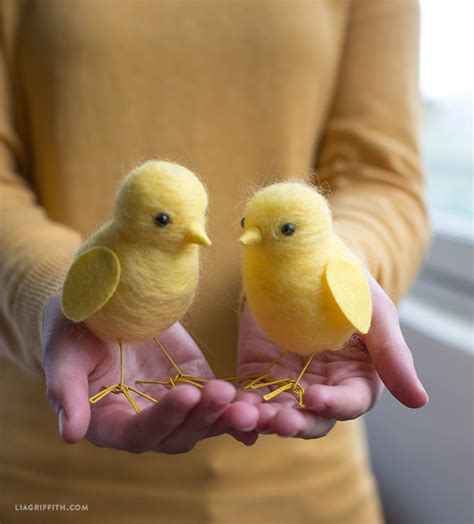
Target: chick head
162, 203
289, 214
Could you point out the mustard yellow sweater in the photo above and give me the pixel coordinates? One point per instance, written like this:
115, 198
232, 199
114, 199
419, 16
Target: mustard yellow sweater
244, 92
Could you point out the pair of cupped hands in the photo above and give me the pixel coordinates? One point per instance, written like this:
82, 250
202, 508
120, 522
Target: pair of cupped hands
340, 385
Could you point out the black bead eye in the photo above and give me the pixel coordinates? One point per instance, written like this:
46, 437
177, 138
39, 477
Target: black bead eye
162, 219
242, 222
288, 229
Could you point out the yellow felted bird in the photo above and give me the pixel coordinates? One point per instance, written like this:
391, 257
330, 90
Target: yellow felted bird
137, 275
305, 287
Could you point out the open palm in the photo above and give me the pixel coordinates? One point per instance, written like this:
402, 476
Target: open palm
338, 385
78, 365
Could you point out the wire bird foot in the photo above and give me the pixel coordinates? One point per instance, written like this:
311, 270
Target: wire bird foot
172, 381
284, 384
243, 378
179, 377
118, 389
121, 388
287, 385
257, 380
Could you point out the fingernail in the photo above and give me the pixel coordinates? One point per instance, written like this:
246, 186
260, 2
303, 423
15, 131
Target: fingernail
61, 421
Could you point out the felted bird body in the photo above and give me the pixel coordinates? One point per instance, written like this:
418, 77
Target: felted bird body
137, 275
305, 287
155, 288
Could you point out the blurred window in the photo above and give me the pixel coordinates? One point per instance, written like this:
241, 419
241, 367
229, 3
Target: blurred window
446, 77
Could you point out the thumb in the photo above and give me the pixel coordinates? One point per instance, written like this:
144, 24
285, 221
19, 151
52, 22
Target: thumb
67, 390
391, 355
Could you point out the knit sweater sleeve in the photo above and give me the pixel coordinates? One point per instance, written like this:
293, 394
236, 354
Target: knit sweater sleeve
35, 252
369, 157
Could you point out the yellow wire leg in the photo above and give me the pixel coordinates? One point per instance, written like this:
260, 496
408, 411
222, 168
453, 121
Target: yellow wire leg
277, 391
240, 378
262, 379
121, 388
293, 385
269, 383
179, 377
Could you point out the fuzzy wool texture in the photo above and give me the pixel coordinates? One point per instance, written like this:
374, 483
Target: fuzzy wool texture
308, 290
159, 266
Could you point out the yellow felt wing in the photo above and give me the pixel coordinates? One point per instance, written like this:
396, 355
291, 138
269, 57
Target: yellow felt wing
90, 283
350, 289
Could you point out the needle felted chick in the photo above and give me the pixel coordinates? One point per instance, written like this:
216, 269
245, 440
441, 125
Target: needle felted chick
137, 275
305, 287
